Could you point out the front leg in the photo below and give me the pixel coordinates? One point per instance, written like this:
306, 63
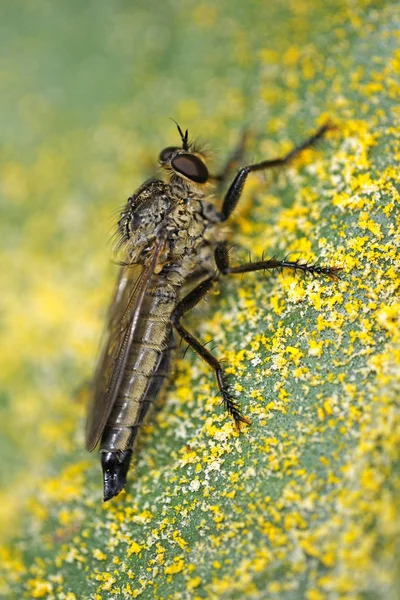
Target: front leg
186, 304
233, 194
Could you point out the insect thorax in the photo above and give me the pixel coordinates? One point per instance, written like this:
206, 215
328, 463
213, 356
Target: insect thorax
181, 215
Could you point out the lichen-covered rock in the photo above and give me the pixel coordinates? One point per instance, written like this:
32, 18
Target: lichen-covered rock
304, 503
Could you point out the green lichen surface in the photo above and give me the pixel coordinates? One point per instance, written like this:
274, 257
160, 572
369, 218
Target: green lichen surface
304, 503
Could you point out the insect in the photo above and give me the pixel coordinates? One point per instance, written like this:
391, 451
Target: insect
175, 250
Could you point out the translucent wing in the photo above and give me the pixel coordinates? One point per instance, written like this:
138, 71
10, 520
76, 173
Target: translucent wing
122, 322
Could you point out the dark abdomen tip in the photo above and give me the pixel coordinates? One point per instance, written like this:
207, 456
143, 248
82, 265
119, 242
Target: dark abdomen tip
115, 466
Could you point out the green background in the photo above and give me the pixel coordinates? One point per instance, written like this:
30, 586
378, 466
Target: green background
304, 503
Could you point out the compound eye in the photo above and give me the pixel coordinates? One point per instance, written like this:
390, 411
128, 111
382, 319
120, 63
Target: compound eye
166, 154
190, 166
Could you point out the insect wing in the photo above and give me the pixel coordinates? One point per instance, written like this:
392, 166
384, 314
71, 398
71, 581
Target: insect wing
122, 322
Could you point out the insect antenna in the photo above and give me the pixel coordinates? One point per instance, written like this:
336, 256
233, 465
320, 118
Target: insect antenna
184, 136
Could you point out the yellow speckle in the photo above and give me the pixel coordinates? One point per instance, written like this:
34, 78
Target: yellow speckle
315, 348
39, 588
179, 539
365, 222
193, 583
99, 555
134, 548
315, 595
176, 567
295, 354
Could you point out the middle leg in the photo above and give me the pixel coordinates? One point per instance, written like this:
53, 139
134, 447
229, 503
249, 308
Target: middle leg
222, 261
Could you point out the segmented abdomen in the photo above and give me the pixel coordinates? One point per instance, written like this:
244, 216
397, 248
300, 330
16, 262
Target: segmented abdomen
146, 368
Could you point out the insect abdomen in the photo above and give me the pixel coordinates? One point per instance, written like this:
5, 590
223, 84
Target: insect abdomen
148, 361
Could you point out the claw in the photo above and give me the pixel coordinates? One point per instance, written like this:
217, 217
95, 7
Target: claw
241, 419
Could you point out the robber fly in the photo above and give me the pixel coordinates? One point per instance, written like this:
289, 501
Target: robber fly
175, 250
